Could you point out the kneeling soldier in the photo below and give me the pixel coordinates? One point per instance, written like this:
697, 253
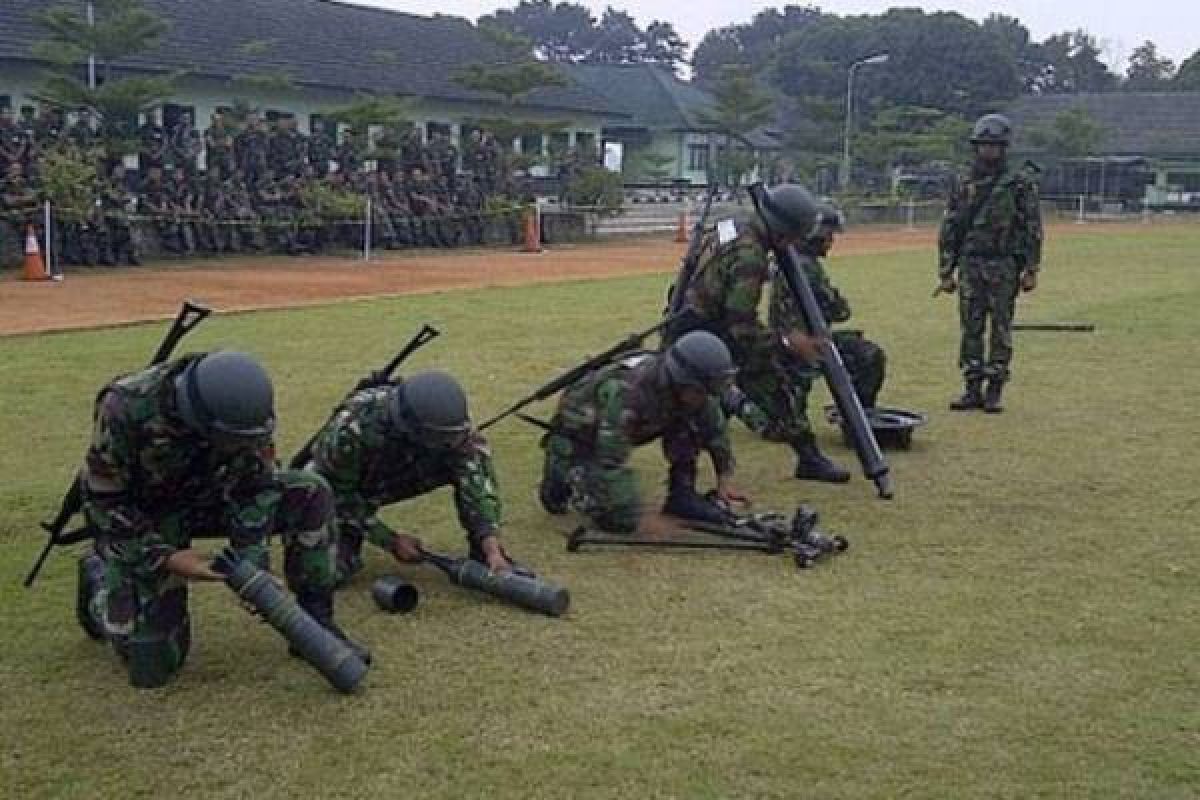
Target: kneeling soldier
182, 450
671, 395
399, 441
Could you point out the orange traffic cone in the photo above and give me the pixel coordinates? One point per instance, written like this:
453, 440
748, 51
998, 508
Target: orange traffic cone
533, 233
681, 232
35, 268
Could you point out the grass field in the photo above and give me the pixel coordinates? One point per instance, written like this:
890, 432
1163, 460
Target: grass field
1021, 621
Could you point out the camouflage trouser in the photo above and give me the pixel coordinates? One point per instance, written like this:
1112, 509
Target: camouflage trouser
138, 603
987, 287
608, 493
865, 362
769, 384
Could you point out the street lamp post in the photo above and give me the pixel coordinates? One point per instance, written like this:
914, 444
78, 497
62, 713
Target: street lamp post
878, 58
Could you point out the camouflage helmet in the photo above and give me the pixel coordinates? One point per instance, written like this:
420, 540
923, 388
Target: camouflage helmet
699, 359
431, 405
226, 392
789, 210
992, 129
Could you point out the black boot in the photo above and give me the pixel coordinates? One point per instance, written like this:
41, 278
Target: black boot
991, 400
319, 605
686, 503
812, 465
91, 579
554, 496
971, 399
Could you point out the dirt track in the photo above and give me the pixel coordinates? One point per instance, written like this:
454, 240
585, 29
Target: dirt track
95, 297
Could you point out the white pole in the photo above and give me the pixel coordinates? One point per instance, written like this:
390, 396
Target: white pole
912, 214
367, 232
845, 176
1079, 219
46, 234
91, 18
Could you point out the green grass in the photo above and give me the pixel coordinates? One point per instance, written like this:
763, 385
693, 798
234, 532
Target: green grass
1021, 621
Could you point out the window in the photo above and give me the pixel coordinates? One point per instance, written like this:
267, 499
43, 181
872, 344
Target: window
559, 143
697, 157
172, 113
435, 128
531, 144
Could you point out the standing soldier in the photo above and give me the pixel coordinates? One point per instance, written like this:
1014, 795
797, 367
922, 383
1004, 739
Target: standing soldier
117, 204
251, 148
320, 147
152, 152
723, 298
991, 234
400, 441
186, 143
218, 146
672, 396
286, 148
181, 450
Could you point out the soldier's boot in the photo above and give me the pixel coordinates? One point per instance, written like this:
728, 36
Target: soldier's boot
90, 582
684, 502
554, 495
991, 399
813, 465
971, 398
319, 605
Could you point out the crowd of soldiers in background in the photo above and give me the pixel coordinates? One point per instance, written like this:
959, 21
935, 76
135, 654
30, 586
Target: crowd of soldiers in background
249, 184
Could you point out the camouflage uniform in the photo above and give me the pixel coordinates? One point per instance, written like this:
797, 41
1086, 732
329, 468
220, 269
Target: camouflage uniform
603, 417
370, 463
151, 485
865, 360
992, 232
723, 298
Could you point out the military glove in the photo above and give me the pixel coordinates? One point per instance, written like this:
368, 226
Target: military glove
1028, 281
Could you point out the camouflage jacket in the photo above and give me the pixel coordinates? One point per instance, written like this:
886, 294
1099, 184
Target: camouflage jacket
145, 464
733, 266
784, 313
370, 464
627, 404
992, 218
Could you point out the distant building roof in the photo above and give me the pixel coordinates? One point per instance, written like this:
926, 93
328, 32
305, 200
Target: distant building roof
313, 42
654, 97
1135, 123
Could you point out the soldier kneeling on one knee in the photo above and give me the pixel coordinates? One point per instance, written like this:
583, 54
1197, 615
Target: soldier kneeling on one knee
183, 450
672, 396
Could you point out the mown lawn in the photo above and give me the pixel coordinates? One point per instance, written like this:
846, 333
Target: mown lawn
1021, 621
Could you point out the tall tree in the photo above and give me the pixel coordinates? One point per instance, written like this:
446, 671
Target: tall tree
1188, 76
741, 106
1073, 133
1013, 37
122, 28
1148, 71
663, 46
1072, 64
619, 40
562, 32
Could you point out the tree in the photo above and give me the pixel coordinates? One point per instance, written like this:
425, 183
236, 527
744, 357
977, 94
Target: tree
562, 32
1013, 38
1074, 133
515, 76
1072, 64
619, 40
741, 106
663, 46
122, 29
1188, 76
1148, 71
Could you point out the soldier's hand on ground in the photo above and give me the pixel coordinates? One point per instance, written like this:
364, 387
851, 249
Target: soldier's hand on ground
729, 494
947, 285
407, 548
804, 346
1028, 281
192, 565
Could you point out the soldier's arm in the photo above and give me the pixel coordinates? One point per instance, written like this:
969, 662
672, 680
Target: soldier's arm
714, 430
341, 455
833, 305
476, 496
1029, 212
950, 234
746, 274
109, 475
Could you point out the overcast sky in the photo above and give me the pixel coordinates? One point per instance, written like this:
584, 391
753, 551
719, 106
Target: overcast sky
1120, 25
